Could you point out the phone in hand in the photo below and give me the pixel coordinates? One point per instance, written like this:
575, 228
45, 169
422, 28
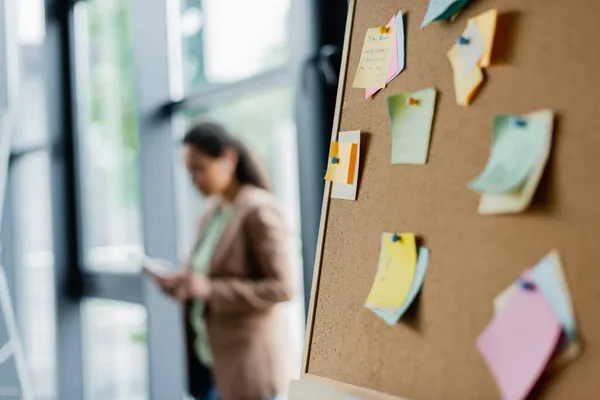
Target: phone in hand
152, 265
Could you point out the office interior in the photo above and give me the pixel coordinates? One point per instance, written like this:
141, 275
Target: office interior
97, 95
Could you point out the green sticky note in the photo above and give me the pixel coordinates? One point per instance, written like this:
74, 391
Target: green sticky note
441, 10
516, 148
411, 116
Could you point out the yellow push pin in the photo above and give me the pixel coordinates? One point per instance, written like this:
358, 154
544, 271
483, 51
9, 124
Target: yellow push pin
384, 30
413, 102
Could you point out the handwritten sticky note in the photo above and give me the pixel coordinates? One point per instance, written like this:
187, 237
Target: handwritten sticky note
391, 317
518, 343
465, 86
396, 271
519, 199
397, 59
343, 190
486, 26
375, 59
340, 167
517, 144
442, 10
411, 116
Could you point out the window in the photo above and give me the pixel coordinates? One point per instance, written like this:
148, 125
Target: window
222, 46
92, 327
115, 352
108, 141
31, 197
35, 274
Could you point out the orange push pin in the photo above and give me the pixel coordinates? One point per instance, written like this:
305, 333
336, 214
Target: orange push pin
384, 30
413, 102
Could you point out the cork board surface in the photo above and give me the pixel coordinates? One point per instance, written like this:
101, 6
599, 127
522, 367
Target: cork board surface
546, 55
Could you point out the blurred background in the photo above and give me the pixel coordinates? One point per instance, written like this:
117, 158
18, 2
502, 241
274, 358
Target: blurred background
100, 93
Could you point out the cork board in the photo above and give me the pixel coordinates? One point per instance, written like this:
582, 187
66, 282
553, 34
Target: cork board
545, 56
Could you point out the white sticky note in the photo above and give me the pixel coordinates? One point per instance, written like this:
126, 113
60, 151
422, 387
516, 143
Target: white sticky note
471, 52
346, 191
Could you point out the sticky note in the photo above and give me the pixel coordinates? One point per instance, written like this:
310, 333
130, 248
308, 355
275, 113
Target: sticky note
442, 10
411, 125
397, 59
548, 277
391, 317
343, 190
465, 58
515, 150
400, 43
519, 199
340, 166
518, 343
395, 272
375, 58
486, 25
465, 87
471, 52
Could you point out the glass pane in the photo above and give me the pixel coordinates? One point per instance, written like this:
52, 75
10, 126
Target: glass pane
31, 198
115, 350
272, 136
229, 40
109, 145
35, 275
31, 98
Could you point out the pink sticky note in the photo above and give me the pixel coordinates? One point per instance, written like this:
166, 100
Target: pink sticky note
519, 342
393, 68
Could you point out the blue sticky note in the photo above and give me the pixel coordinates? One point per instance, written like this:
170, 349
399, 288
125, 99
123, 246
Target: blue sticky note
548, 277
441, 10
400, 42
391, 317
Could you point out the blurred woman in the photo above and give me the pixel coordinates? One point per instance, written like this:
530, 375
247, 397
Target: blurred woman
236, 275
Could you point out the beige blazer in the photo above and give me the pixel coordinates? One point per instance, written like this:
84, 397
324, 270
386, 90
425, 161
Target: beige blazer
249, 275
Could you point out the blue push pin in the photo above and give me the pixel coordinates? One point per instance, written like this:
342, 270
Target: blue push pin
462, 40
527, 285
395, 238
520, 123
335, 160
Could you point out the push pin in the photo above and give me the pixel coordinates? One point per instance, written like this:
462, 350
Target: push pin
527, 285
462, 40
335, 160
395, 238
413, 102
520, 123
384, 30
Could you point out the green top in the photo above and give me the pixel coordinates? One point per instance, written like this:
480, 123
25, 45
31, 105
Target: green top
200, 264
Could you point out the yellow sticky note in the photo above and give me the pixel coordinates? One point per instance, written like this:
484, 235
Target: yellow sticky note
340, 166
375, 58
396, 271
465, 86
486, 25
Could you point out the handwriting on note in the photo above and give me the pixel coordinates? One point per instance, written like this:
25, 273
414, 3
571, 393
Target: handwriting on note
375, 58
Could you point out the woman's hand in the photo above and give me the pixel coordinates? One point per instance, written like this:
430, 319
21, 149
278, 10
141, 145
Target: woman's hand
197, 286
170, 284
